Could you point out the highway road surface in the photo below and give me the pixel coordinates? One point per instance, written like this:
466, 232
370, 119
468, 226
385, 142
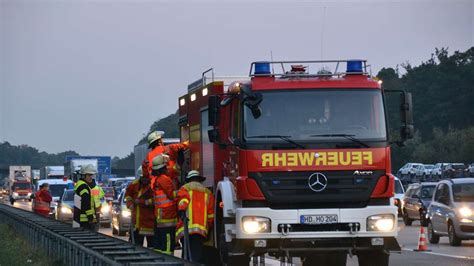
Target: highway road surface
440, 254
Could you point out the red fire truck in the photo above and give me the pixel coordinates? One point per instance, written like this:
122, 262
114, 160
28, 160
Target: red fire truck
299, 161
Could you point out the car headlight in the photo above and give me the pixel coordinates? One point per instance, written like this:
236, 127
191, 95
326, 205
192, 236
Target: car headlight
66, 210
383, 222
29, 194
15, 194
465, 212
105, 209
126, 213
253, 224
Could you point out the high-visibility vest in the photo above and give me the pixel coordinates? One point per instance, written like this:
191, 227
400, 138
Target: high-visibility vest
143, 216
165, 205
198, 202
84, 205
97, 193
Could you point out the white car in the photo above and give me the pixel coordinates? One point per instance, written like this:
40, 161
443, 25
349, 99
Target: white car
423, 172
436, 171
399, 193
407, 172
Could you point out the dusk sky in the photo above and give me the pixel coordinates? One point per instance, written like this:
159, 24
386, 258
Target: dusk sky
92, 76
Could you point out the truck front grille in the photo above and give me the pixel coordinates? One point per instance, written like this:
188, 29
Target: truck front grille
291, 189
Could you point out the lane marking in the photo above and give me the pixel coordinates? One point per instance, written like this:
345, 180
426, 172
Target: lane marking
441, 254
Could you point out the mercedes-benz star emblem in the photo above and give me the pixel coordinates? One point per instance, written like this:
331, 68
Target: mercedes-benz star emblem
317, 182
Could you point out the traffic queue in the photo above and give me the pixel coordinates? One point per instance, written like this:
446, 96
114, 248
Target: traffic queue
162, 212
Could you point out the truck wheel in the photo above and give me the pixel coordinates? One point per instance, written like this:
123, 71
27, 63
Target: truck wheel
12, 201
454, 240
406, 219
373, 258
432, 236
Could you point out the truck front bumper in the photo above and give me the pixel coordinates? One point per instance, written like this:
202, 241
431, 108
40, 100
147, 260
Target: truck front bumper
288, 232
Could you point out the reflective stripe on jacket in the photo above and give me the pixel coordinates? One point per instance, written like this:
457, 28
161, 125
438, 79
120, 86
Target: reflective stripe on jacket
172, 151
164, 201
198, 201
143, 216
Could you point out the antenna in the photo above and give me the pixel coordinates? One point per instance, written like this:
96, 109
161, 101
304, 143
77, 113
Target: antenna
271, 58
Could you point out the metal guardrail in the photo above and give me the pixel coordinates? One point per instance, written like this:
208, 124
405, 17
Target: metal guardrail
76, 246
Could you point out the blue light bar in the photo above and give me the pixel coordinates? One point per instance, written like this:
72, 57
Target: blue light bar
262, 68
354, 66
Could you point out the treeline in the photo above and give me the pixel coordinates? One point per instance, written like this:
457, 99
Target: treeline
26, 155
443, 98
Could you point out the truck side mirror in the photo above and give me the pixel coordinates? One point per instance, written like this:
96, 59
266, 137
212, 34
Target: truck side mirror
213, 135
213, 112
407, 131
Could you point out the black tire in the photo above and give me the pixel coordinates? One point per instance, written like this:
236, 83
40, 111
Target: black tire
432, 236
12, 201
114, 231
373, 258
423, 220
407, 219
454, 240
122, 233
333, 259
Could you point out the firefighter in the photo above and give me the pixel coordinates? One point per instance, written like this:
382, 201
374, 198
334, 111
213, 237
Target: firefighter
155, 143
42, 200
97, 194
139, 199
165, 206
84, 205
197, 203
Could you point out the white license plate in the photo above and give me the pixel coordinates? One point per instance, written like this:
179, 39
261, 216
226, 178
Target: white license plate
318, 219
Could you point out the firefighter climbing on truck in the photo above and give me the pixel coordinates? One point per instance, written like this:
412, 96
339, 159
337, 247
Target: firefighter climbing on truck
299, 161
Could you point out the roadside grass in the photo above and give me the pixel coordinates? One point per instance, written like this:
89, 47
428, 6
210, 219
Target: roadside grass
14, 250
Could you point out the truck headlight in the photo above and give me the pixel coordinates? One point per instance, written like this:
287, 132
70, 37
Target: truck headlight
126, 213
66, 210
465, 212
105, 209
382, 222
255, 224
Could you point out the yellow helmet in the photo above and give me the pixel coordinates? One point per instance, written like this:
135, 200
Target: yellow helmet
154, 136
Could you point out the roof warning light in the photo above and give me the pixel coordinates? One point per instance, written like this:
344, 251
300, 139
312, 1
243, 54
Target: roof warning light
354, 66
262, 68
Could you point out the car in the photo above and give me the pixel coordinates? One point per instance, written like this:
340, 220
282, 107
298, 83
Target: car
105, 218
436, 172
423, 172
416, 201
451, 213
121, 215
470, 170
407, 172
453, 170
399, 192
65, 209
109, 193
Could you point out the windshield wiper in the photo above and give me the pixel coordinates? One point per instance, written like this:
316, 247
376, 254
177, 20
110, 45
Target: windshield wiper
285, 138
347, 136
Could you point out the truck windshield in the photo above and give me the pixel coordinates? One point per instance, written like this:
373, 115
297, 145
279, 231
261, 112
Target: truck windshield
21, 186
329, 115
